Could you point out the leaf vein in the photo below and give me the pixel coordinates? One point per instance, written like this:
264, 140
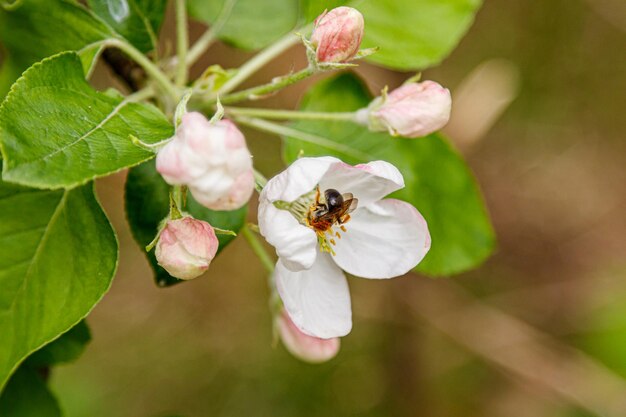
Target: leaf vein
44, 237
99, 126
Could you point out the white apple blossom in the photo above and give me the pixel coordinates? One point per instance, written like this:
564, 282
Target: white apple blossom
384, 238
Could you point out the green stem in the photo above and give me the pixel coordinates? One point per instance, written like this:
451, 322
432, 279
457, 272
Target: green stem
259, 178
286, 131
259, 181
206, 40
177, 198
258, 249
182, 42
140, 95
152, 70
258, 92
10, 6
290, 114
261, 59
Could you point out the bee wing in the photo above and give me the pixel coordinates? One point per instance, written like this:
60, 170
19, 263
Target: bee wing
347, 196
327, 217
351, 204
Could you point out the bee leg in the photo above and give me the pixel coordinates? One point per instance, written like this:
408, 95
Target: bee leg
338, 235
343, 228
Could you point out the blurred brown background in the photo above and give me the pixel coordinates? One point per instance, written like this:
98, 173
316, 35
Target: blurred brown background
538, 330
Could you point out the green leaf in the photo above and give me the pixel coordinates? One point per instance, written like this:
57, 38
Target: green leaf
27, 395
414, 34
58, 258
251, 24
147, 203
40, 28
438, 182
67, 348
56, 131
311, 9
411, 34
139, 21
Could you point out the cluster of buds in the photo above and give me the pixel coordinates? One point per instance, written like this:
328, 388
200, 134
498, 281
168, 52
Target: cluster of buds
412, 110
211, 159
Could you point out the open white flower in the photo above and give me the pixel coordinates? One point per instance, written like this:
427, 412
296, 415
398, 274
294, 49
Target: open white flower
379, 239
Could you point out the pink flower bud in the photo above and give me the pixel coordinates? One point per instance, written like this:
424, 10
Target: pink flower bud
211, 159
337, 34
186, 247
412, 110
302, 346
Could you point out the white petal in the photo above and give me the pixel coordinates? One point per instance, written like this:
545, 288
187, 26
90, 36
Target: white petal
385, 240
295, 244
299, 178
368, 182
215, 182
317, 299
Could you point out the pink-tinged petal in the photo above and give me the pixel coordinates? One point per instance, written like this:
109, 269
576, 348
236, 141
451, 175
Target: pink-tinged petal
234, 137
385, 240
170, 165
239, 194
317, 299
193, 129
302, 346
295, 243
367, 182
239, 161
299, 178
211, 187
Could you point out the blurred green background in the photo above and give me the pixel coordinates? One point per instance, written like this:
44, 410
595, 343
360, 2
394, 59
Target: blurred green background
538, 330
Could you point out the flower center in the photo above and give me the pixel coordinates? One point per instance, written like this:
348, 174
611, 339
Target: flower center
321, 213
326, 211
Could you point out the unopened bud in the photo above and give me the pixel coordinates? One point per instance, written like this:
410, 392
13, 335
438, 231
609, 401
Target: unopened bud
412, 110
212, 159
337, 34
186, 247
302, 346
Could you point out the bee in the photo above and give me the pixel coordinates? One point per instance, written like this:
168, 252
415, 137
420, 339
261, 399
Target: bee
336, 209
